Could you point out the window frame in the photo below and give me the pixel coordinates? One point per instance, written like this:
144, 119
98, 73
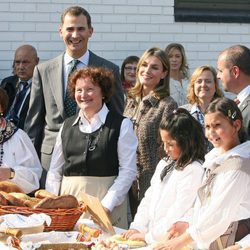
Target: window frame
226, 11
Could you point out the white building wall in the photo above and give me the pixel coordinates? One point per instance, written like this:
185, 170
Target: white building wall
121, 28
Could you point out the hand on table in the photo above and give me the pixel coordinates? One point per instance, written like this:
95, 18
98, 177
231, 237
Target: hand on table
133, 234
173, 244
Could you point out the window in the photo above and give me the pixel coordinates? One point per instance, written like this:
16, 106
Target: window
227, 11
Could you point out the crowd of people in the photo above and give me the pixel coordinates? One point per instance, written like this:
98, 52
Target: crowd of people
150, 141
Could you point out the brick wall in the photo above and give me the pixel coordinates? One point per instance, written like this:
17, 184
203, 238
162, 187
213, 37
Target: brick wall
121, 28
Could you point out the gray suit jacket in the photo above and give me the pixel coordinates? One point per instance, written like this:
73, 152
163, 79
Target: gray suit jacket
46, 109
245, 110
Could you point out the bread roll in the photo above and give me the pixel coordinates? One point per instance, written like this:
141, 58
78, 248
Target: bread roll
20, 196
13, 201
42, 193
93, 232
3, 200
32, 202
119, 239
64, 202
8, 187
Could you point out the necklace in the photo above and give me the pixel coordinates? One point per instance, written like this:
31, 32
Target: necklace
1, 154
93, 140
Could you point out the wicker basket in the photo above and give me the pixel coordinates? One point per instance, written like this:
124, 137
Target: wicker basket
61, 219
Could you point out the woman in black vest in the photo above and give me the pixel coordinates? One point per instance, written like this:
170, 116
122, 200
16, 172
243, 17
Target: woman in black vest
95, 151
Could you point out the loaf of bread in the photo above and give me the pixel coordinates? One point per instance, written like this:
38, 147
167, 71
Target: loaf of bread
42, 193
20, 195
13, 201
3, 200
119, 239
64, 202
8, 187
32, 202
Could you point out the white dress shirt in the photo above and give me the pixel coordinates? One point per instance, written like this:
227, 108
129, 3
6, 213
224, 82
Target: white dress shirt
244, 93
20, 154
178, 91
126, 149
84, 60
229, 200
165, 202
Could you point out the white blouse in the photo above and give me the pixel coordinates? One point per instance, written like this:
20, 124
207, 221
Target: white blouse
127, 145
165, 202
229, 199
20, 154
178, 91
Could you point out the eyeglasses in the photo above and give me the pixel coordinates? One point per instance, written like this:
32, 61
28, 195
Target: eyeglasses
130, 68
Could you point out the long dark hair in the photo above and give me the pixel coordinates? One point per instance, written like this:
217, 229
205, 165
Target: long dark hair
4, 101
189, 135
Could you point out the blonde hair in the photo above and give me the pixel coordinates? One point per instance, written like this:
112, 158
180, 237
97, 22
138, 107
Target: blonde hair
191, 97
184, 65
162, 88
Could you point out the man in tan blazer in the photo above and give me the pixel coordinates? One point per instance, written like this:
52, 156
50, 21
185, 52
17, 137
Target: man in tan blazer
46, 109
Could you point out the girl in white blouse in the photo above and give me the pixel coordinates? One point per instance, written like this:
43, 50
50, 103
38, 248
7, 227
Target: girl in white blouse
224, 197
176, 179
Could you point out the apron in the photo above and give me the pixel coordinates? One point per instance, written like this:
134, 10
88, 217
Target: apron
98, 187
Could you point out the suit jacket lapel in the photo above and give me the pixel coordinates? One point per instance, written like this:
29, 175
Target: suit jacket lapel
245, 103
57, 82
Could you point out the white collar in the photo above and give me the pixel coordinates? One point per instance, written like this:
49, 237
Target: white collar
214, 157
99, 117
194, 109
83, 59
244, 93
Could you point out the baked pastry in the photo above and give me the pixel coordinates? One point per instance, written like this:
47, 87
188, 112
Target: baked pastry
119, 239
42, 193
89, 232
8, 187
13, 201
64, 202
3, 200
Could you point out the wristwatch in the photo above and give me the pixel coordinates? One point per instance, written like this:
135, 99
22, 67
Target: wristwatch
12, 173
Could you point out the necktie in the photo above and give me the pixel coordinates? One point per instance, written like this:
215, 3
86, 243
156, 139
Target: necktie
15, 109
69, 103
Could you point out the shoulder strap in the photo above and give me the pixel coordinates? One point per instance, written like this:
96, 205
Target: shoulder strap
232, 163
